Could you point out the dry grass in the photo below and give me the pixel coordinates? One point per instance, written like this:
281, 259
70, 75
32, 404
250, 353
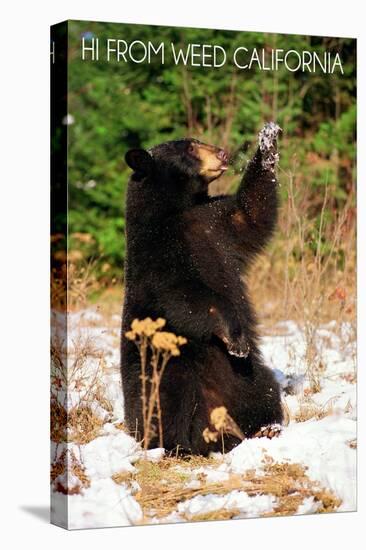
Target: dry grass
308, 272
72, 283
78, 470
309, 269
120, 426
80, 425
79, 405
84, 424
161, 500
73, 375
310, 410
58, 466
350, 377
58, 422
163, 486
81, 283
214, 515
75, 480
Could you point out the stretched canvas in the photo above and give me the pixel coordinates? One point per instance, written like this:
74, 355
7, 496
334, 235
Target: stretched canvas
203, 266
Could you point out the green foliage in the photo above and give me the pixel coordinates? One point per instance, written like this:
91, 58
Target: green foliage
116, 106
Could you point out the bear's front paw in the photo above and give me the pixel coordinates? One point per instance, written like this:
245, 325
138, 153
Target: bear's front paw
268, 145
273, 430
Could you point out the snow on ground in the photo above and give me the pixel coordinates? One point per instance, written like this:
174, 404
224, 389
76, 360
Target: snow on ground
324, 443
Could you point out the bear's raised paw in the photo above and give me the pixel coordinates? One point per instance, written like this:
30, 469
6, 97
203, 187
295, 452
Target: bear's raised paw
268, 145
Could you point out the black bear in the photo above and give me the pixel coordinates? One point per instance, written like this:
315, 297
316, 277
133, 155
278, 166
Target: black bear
187, 256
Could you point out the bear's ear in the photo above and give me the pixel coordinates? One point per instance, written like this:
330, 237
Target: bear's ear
140, 161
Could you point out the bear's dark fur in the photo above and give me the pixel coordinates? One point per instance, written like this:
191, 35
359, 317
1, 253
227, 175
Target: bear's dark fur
187, 255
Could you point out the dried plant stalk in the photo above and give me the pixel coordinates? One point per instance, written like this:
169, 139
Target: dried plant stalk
156, 348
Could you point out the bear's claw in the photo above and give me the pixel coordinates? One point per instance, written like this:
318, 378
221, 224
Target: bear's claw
268, 145
273, 430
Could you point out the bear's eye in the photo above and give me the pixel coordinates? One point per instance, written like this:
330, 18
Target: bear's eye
191, 149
